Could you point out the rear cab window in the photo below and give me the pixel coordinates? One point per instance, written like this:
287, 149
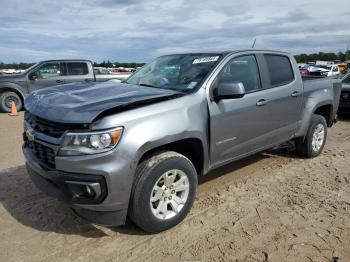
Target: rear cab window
280, 69
346, 80
77, 68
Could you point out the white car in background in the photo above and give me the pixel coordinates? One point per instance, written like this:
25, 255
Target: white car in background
102, 74
322, 70
334, 71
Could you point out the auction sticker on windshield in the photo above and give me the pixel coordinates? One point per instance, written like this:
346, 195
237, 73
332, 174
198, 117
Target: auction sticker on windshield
205, 59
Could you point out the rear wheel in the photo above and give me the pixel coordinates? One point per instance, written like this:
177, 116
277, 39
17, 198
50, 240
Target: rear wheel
163, 192
6, 99
315, 139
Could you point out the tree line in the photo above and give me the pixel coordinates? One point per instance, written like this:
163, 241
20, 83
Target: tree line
302, 58
118, 64
21, 66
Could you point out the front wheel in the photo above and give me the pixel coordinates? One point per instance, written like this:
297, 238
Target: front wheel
6, 99
163, 191
315, 139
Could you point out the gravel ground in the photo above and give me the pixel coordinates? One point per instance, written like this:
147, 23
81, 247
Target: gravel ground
272, 206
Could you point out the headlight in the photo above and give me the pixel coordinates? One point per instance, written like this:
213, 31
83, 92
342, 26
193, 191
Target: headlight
75, 144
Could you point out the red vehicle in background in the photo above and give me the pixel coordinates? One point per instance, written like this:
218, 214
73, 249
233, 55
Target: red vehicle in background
304, 72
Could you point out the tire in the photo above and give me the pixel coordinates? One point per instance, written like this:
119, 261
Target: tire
154, 214
308, 147
5, 101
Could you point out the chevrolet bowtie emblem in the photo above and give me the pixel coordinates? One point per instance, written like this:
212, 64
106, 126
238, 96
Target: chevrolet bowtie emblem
30, 136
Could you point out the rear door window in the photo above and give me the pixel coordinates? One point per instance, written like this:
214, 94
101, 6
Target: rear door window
77, 68
280, 70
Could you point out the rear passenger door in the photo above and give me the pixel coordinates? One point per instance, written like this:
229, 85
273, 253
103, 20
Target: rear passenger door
283, 92
78, 72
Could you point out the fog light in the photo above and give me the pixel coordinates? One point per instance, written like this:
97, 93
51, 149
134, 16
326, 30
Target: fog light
85, 189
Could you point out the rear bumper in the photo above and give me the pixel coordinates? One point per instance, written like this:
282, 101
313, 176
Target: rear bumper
102, 209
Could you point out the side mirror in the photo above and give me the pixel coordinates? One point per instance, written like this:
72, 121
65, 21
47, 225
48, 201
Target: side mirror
32, 76
229, 90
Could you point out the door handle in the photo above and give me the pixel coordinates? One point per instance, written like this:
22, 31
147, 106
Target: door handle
295, 94
59, 81
87, 80
261, 102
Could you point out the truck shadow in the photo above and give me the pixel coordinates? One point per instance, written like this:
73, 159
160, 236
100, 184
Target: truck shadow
32, 208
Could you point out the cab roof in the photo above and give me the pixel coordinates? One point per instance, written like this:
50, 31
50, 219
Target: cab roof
225, 51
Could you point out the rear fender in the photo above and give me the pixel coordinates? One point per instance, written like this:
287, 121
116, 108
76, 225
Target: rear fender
313, 102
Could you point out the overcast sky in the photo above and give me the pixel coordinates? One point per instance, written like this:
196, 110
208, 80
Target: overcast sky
130, 30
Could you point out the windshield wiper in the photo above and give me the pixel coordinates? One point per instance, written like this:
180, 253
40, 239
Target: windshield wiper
148, 85
164, 88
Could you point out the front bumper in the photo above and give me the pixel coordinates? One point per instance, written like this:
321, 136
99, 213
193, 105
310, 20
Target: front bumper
109, 208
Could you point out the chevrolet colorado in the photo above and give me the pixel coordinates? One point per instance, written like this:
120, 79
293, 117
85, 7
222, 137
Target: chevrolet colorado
135, 149
14, 88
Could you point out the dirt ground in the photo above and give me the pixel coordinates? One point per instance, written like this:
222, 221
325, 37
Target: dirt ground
272, 206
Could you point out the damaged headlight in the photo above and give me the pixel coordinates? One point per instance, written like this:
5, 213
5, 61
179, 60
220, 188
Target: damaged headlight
90, 142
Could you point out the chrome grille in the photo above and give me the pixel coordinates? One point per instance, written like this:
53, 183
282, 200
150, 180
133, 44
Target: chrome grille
44, 154
43, 126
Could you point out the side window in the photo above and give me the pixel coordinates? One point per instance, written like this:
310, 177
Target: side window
48, 70
243, 69
346, 80
77, 68
280, 70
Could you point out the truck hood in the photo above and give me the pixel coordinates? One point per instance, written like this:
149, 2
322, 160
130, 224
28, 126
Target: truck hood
11, 78
81, 103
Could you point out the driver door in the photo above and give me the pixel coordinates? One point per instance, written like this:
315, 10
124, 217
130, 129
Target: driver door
238, 126
48, 74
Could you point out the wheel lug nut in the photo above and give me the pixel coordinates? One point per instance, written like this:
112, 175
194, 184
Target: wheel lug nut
164, 198
169, 198
173, 191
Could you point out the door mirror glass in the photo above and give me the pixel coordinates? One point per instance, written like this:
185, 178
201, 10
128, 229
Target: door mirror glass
229, 90
32, 76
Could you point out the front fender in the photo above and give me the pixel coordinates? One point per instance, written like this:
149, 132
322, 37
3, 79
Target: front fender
159, 124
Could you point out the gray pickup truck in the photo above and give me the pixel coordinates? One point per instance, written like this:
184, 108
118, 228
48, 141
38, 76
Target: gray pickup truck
135, 149
14, 88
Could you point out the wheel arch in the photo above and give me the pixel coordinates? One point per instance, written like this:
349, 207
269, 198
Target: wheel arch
325, 110
190, 147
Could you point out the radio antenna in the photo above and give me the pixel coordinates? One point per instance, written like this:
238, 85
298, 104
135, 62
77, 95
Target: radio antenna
254, 43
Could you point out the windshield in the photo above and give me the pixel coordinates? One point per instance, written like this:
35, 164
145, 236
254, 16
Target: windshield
177, 72
25, 71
